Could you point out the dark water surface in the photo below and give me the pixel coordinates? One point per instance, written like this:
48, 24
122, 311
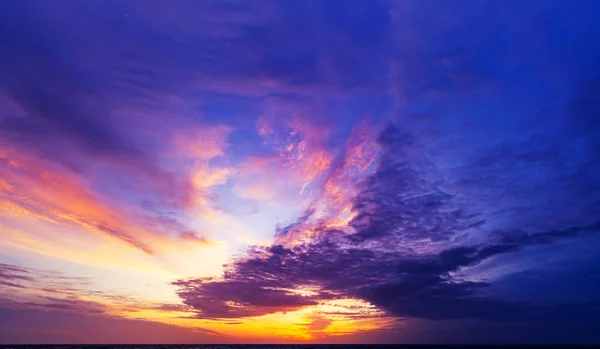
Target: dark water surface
279, 346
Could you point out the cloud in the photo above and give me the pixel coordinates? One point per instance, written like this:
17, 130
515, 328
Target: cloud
47, 290
13, 276
201, 143
94, 112
35, 185
36, 188
383, 260
318, 323
10, 273
29, 278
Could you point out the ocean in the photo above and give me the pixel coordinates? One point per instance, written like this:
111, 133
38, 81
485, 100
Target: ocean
275, 346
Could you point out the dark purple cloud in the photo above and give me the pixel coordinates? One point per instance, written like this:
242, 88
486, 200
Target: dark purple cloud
403, 284
36, 284
193, 237
236, 299
66, 304
409, 253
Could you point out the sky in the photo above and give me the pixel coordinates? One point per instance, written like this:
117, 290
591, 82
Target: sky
299, 171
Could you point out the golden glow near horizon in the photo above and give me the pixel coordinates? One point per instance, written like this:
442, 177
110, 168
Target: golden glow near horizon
307, 324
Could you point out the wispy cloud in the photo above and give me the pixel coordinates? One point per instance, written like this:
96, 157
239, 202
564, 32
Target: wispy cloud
384, 160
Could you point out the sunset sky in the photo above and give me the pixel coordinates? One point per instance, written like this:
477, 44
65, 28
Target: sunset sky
278, 171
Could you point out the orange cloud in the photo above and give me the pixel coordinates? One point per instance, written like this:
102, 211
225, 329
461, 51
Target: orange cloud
203, 143
206, 177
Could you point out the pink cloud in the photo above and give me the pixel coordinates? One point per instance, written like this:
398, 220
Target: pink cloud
200, 143
36, 188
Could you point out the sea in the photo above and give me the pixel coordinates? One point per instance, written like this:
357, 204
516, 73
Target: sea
281, 346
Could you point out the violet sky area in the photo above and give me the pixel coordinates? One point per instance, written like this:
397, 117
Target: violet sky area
300, 171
